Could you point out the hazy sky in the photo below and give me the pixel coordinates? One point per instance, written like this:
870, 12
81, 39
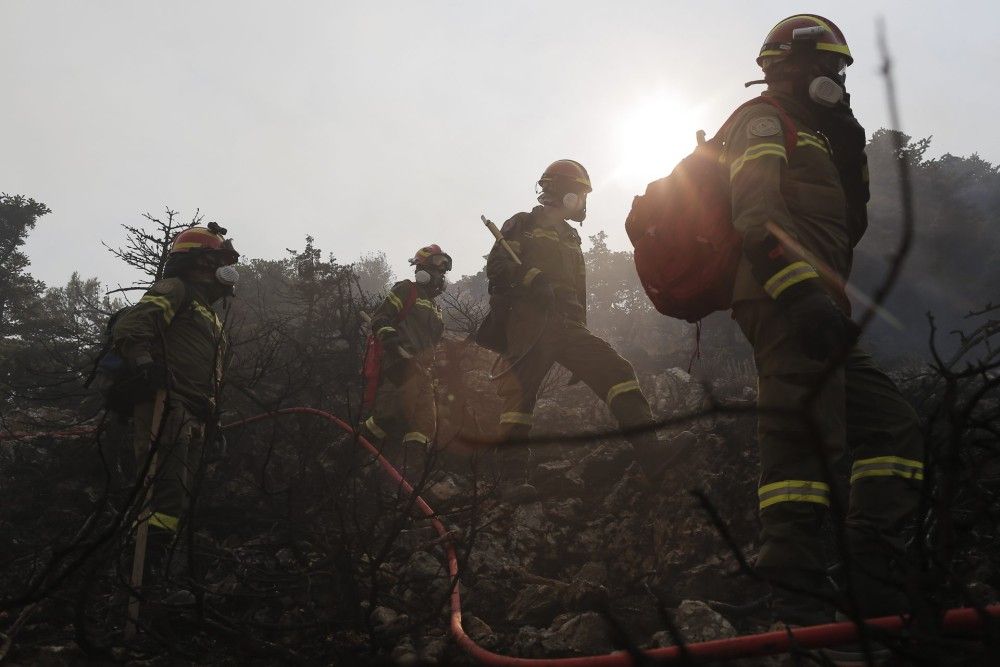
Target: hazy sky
387, 126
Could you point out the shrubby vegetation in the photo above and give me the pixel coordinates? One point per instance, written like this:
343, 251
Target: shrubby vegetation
308, 556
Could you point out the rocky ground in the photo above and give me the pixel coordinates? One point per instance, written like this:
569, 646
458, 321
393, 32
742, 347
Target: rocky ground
573, 541
304, 553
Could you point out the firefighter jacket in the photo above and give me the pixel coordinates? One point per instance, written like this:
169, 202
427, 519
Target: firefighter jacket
549, 249
421, 326
175, 325
787, 196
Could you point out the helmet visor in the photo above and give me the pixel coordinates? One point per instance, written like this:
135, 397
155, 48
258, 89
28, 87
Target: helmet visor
833, 63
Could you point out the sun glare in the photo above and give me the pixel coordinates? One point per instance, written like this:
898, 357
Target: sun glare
655, 134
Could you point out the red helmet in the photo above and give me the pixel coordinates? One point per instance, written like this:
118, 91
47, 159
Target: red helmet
821, 32
432, 255
567, 174
195, 240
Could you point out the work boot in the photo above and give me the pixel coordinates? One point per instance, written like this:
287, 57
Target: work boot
878, 591
160, 555
877, 586
855, 653
656, 456
796, 655
797, 596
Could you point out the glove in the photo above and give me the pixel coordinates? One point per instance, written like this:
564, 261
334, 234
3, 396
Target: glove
217, 448
543, 290
390, 338
150, 375
396, 364
821, 327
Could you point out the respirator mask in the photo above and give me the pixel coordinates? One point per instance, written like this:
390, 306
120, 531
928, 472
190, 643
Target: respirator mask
228, 277
434, 280
827, 89
574, 203
433, 275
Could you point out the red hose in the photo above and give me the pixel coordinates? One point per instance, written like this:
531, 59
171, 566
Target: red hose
768, 643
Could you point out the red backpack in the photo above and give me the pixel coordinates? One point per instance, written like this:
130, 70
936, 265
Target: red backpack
686, 250
374, 351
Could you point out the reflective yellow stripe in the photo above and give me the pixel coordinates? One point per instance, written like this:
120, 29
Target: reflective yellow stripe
374, 428
819, 486
383, 331
394, 300
792, 274
165, 521
794, 491
431, 306
542, 234
814, 144
806, 139
795, 498
836, 48
809, 17
912, 474
621, 388
416, 436
754, 152
529, 276
162, 303
516, 418
887, 466
207, 314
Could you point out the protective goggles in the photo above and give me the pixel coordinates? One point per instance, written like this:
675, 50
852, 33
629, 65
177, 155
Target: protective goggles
441, 262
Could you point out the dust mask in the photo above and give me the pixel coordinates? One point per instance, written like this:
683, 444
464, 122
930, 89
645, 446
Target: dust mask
227, 275
825, 91
571, 201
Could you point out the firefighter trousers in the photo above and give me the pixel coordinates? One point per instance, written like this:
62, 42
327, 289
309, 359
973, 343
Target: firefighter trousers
859, 411
536, 341
178, 456
404, 407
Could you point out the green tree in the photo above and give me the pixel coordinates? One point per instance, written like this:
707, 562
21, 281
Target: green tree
18, 290
954, 264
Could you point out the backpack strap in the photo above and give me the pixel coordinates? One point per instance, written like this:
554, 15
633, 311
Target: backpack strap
411, 299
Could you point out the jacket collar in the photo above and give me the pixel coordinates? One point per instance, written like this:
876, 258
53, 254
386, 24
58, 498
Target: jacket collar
542, 215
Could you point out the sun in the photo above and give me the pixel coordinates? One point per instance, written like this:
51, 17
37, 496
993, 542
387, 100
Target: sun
654, 135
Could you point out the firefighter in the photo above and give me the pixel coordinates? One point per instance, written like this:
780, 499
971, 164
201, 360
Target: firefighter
173, 341
409, 324
801, 210
541, 307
